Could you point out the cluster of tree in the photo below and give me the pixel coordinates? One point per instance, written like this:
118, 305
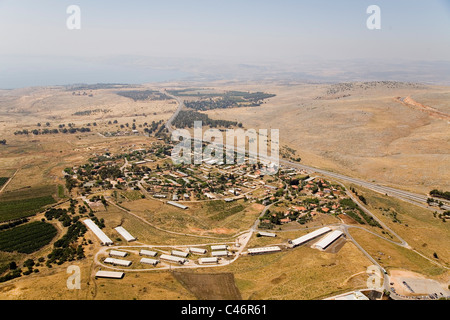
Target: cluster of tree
186, 118
52, 131
14, 273
230, 99
154, 127
89, 112
81, 94
348, 204
440, 194
60, 215
144, 95
360, 196
66, 248
14, 223
111, 172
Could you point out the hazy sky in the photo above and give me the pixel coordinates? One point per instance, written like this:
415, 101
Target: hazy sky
37, 47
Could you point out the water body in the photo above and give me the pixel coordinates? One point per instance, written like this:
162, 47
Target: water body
17, 72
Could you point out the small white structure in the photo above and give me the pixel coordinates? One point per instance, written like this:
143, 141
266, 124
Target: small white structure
116, 253
178, 205
356, 295
118, 262
263, 250
173, 259
219, 247
197, 250
221, 253
179, 253
125, 234
104, 240
148, 253
153, 262
267, 234
109, 274
329, 239
310, 236
208, 260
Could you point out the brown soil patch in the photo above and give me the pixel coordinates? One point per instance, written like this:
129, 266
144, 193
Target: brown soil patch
347, 219
209, 286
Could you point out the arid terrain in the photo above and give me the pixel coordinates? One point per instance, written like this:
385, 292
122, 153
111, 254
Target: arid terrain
359, 129
390, 133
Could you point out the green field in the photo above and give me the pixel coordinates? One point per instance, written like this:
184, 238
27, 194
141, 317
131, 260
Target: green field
27, 238
15, 209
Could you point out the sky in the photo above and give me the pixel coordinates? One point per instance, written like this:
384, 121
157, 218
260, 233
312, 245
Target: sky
139, 41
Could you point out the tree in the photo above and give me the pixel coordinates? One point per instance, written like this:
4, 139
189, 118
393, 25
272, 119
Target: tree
29, 263
3, 142
12, 265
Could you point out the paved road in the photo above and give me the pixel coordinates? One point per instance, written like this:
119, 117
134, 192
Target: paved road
168, 124
417, 199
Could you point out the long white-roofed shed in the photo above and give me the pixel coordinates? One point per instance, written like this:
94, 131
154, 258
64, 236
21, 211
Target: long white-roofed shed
109, 274
312, 235
208, 260
104, 239
153, 262
148, 253
174, 259
220, 253
125, 234
179, 253
329, 239
219, 247
264, 250
197, 250
117, 253
118, 262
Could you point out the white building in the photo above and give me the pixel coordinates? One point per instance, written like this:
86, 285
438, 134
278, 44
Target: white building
148, 253
153, 262
173, 259
109, 274
267, 234
208, 260
125, 234
178, 205
221, 253
116, 253
104, 240
329, 239
263, 250
310, 236
118, 262
179, 253
197, 250
219, 247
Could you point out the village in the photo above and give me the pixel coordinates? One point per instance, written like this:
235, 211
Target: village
296, 196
